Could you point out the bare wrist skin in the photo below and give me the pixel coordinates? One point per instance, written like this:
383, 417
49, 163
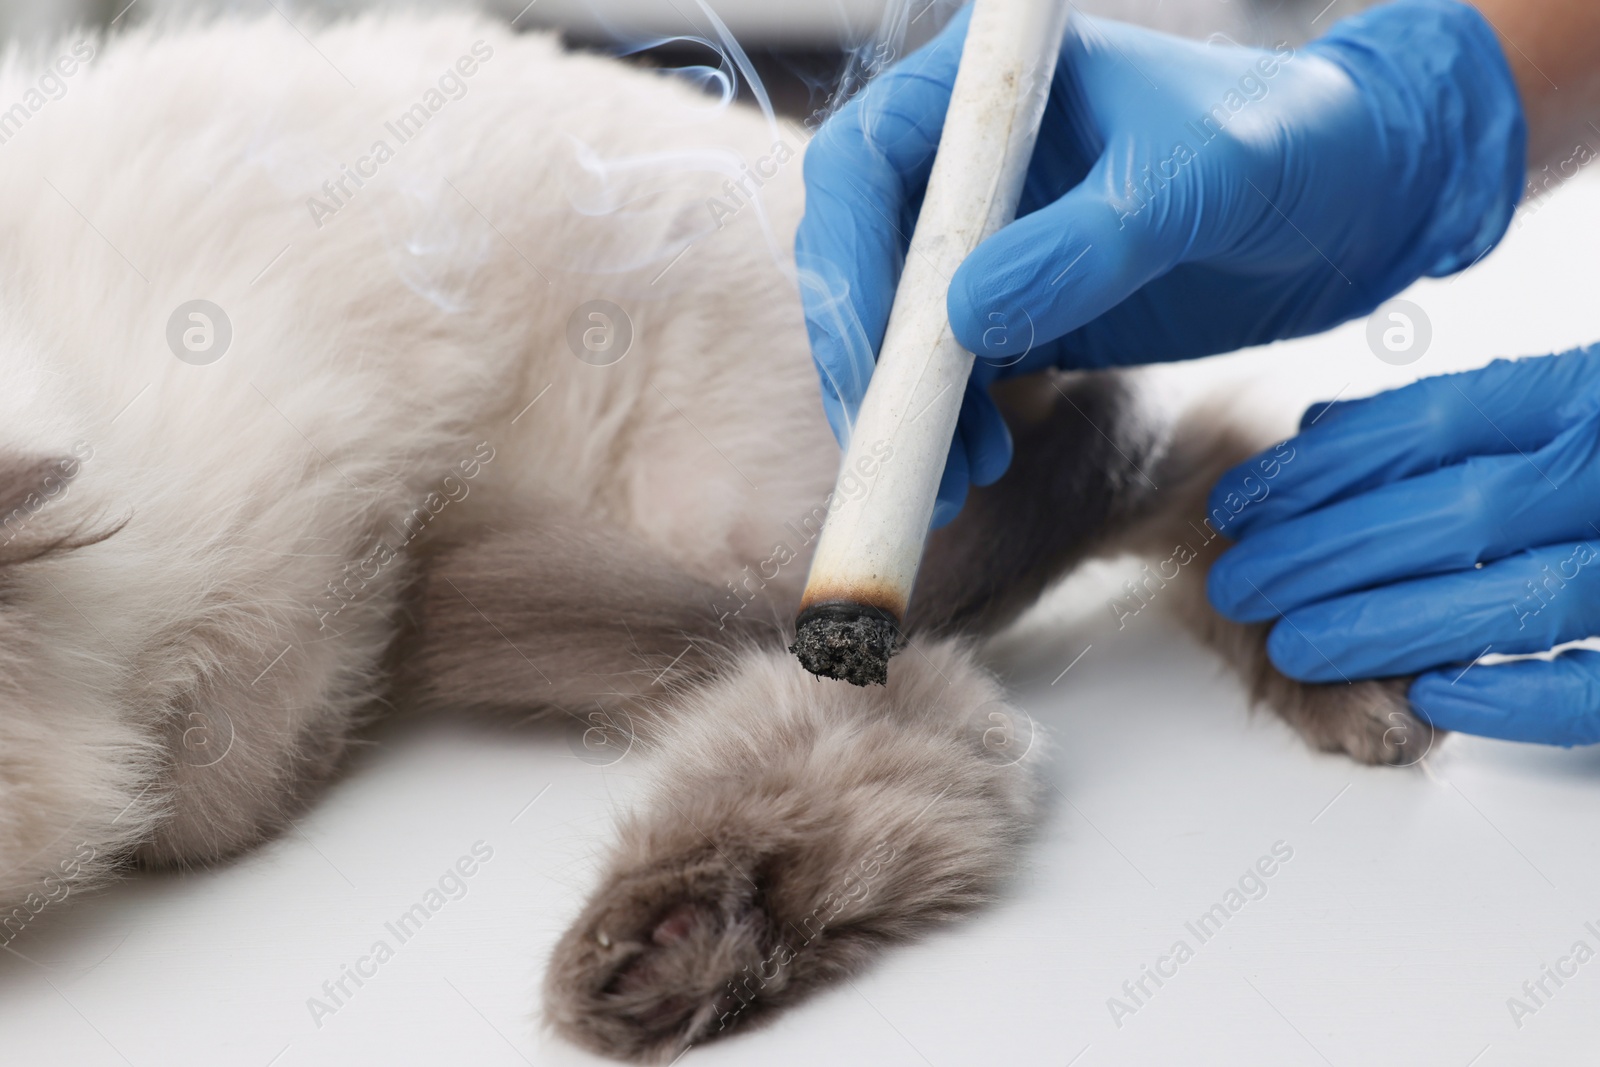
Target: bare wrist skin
1553, 47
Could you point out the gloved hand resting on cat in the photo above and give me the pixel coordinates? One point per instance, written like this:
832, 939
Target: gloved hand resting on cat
1431, 525
1184, 199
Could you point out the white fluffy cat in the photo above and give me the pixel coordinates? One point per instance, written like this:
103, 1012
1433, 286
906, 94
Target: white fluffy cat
415, 360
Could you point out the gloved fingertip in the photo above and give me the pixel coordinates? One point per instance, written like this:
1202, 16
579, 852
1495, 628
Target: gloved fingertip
952, 486
964, 305
1532, 701
1446, 704
1315, 412
1217, 512
1232, 509
991, 457
1431, 703
987, 439
990, 321
1231, 593
1295, 656
1221, 592
944, 512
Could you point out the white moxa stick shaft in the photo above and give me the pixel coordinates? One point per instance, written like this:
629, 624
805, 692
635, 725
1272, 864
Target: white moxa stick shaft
872, 542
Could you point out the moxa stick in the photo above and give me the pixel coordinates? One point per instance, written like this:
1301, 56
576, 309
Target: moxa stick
854, 606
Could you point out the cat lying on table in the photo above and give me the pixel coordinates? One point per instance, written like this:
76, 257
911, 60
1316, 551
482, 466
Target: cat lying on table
419, 361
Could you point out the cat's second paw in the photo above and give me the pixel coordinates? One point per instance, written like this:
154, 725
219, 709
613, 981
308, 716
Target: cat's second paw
1370, 721
801, 828
646, 970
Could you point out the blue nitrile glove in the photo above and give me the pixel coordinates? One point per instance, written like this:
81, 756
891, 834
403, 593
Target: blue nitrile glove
1420, 529
1184, 199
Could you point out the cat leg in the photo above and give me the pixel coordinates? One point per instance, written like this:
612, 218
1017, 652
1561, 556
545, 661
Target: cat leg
1096, 476
549, 610
798, 827
1082, 450
1369, 720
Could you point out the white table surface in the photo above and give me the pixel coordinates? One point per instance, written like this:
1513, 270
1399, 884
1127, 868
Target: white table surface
1416, 902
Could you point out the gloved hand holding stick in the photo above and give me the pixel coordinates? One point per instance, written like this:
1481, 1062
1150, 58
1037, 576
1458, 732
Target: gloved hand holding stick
866, 559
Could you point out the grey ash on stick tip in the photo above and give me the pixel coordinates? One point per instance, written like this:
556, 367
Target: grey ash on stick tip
849, 642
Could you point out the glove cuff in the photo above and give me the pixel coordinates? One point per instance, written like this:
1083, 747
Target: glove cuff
1442, 92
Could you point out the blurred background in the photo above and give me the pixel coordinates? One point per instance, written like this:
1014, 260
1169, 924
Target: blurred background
802, 49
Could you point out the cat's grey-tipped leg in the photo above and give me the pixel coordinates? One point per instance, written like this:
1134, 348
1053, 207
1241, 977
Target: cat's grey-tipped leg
1369, 720
801, 826
1093, 475
1077, 477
